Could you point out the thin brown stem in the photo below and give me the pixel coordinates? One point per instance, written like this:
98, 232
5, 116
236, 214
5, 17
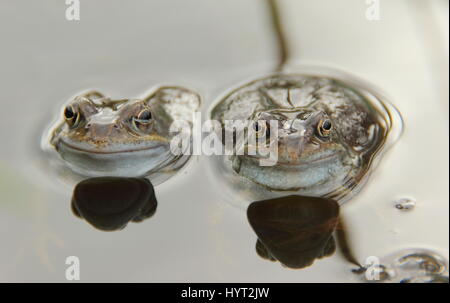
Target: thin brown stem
283, 53
343, 243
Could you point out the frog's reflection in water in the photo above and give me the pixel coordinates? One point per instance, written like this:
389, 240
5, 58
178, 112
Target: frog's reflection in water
109, 203
295, 230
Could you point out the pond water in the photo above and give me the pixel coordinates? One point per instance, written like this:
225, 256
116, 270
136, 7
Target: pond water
196, 234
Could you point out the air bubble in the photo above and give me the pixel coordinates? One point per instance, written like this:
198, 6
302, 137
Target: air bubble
405, 204
412, 266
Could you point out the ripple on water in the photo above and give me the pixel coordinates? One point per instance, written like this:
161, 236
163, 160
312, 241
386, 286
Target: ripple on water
411, 266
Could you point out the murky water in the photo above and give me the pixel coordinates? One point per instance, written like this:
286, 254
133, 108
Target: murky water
196, 234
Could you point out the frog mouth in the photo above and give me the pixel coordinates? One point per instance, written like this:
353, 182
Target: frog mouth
98, 151
307, 160
301, 162
317, 160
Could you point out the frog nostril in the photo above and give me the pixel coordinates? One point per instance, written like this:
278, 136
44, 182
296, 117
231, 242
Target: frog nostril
88, 125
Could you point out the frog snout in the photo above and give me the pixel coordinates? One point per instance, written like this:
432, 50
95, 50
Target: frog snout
294, 127
100, 131
295, 144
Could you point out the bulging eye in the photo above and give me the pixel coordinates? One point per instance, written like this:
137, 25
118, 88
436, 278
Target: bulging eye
145, 116
324, 128
71, 115
143, 120
261, 127
257, 127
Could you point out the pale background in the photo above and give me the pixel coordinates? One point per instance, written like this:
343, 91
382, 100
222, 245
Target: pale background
125, 47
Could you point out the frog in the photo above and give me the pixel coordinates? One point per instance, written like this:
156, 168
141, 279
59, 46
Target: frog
327, 132
99, 136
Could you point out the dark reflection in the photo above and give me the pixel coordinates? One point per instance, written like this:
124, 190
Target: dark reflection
109, 203
296, 230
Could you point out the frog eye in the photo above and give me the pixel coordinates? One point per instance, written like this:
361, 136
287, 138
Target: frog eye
143, 121
256, 127
145, 116
260, 128
324, 127
71, 115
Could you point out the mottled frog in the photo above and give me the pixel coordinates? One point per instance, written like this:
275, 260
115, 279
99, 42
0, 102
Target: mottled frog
128, 138
328, 132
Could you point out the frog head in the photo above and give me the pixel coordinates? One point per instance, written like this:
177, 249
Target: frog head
101, 137
302, 136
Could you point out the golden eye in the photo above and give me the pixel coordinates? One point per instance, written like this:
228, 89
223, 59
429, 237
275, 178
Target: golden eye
143, 121
71, 115
261, 128
145, 116
256, 127
324, 128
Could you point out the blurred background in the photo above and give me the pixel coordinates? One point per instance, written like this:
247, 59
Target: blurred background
125, 48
